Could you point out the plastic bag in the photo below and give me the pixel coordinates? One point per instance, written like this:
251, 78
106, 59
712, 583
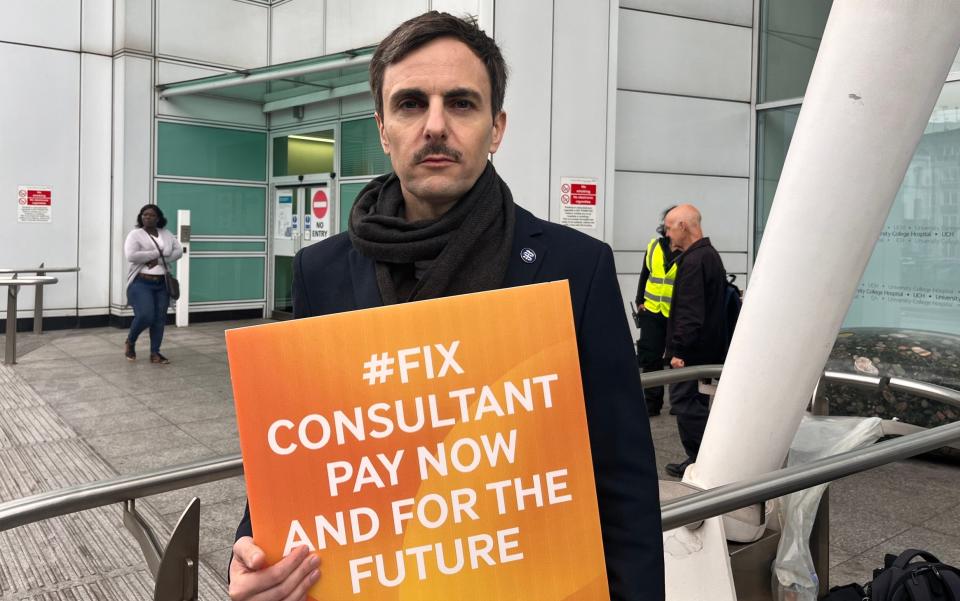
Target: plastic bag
794, 577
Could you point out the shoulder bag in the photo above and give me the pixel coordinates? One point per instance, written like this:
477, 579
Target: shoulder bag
173, 285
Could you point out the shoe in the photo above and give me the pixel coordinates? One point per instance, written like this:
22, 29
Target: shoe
676, 469
158, 358
128, 351
651, 412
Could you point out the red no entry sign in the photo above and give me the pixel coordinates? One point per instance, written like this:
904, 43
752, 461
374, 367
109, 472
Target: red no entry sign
320, 204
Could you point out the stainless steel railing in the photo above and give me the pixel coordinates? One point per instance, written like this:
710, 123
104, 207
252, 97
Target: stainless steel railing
13, 285
922, 389
718, 501
39, 272
12, 280
116, 490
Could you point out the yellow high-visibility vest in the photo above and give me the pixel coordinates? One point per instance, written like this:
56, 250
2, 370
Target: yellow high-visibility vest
659, 289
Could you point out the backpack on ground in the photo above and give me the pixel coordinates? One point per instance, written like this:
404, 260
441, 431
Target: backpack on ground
732, 301
847, 592
901, 580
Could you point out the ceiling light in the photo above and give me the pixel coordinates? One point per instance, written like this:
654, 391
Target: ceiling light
311, 138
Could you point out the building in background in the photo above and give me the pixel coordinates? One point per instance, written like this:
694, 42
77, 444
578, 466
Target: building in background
616, 110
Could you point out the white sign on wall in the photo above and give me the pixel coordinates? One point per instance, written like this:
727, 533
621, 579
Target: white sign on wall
284, 215
34, 204
578, 202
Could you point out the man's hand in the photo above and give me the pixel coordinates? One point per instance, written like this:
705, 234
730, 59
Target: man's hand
641, 308
287, 580
152, 263
676, 363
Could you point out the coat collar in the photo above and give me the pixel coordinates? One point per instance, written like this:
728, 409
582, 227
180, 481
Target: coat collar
528, 251
701, 243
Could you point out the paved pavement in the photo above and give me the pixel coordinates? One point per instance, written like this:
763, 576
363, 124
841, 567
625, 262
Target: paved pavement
73, 410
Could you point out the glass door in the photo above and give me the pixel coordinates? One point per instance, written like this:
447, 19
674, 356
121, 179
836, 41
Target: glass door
303, 214
302, 204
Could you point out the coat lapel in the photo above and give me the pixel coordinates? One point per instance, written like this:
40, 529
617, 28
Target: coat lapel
363, 272
528, 252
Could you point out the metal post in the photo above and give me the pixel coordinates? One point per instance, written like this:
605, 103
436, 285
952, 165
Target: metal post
10, 354
175, 567
38, 305
183, 269
820, 535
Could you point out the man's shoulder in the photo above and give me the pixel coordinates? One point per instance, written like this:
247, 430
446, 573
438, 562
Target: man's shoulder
705, 257
326, 254
701, 250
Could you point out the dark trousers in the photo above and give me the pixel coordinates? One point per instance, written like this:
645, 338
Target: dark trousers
150, 301
650, 345
692, 409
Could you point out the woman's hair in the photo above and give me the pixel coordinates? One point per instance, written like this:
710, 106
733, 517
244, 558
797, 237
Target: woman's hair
161, 220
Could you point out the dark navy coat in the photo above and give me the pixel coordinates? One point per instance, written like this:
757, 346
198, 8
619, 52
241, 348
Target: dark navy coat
331, 277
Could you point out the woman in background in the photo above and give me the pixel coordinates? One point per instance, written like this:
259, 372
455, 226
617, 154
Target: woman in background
146, 286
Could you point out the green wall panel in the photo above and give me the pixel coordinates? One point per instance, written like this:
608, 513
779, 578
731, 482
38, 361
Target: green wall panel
348, 194
214, 152
226, 279
215, 210
360, 149
283, 283
226, 245
280, 160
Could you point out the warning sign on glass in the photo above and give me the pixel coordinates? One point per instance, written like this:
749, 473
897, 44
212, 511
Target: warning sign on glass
34, 204
578, 202
320, 205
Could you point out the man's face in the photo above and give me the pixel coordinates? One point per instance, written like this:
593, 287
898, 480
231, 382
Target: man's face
676, 231
437, 124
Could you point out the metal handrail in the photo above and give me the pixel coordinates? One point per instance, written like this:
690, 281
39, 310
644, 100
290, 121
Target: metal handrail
40, 269
652, 379
13, 284
30, 509
723, 499
39, 281
117, 490
34, 280
924, 389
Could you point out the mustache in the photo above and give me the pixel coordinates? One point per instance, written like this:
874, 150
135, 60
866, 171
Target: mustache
436, 148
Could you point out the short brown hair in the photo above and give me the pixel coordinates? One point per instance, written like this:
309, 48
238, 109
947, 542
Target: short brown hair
427, 27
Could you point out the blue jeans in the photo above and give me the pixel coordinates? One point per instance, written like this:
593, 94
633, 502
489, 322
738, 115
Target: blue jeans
150, 301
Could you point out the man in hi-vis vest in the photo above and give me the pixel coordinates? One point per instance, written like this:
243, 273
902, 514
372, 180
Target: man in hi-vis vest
653, 308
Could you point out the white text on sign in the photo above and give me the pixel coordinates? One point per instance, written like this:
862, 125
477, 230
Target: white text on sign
419, 358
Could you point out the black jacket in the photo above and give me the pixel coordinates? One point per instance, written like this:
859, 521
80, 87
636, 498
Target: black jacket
696, 328
332, 276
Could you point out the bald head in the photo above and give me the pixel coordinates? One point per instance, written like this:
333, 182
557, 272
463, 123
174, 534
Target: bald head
682, 226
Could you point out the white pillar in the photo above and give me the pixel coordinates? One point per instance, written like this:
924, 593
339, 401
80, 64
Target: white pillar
183, 269
881, 66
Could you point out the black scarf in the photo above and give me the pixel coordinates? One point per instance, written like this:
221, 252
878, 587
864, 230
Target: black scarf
466, 250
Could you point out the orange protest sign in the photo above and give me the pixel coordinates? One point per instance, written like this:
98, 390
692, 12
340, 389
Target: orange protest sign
429, 450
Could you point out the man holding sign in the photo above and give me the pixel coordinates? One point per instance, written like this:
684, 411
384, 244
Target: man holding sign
445, 224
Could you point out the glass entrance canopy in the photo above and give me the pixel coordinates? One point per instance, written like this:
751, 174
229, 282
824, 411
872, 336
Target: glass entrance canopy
286, 85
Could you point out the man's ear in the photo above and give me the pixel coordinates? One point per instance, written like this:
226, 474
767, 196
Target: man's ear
499, 127
384, 141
